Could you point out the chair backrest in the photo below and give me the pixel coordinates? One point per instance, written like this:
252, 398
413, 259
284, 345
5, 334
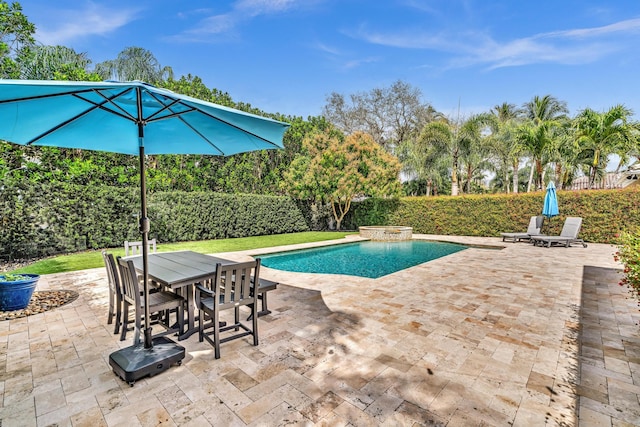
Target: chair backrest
233, 283
535, 225
571, 227
130, 282
135, 248
113, 275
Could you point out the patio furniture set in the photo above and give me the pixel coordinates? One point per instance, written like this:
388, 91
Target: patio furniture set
185, 287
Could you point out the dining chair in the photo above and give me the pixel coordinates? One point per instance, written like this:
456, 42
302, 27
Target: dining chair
135, 248
230, 288
161, 304
115, 291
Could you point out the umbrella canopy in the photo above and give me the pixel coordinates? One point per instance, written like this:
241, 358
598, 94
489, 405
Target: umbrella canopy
111, 116
550, 207
130, 118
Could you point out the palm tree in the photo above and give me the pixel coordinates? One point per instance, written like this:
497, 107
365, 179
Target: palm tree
50, 62
134, 63
602, 134
564, 153
545, 109
421, 165
544, 115
452, 140
503, 120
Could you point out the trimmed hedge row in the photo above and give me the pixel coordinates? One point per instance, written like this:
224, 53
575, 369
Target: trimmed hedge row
605, 213
181, 216
59, 218
52, 219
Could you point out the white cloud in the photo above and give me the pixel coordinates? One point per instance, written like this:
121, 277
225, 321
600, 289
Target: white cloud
91, 20
241, 11
264, 7
217, 24
341, 58
327, 49
355, 63
575, 46
627, 26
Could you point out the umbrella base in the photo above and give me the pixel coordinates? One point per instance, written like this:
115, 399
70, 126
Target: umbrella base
135, 362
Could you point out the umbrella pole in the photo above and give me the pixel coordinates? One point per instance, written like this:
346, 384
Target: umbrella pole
132, 363
144, 229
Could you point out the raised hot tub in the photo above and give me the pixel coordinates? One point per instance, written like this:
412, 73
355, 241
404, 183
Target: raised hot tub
386, 233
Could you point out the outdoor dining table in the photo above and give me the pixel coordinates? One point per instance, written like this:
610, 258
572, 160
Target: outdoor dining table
179, 271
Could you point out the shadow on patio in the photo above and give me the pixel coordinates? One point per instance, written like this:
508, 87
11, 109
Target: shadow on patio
609, 383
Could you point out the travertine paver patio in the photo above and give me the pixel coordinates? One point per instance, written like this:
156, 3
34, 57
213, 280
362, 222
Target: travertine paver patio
522, 336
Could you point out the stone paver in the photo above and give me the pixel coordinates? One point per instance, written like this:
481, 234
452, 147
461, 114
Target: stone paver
517, 336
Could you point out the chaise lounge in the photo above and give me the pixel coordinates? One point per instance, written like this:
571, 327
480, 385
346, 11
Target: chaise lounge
535, 225
568, 235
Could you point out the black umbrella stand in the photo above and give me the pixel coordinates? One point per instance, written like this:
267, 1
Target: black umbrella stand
157, 354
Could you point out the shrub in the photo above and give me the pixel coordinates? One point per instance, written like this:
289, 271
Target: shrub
606, 213
52, 218
629, 254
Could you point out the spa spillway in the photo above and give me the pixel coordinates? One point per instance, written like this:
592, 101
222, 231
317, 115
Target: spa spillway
386, 233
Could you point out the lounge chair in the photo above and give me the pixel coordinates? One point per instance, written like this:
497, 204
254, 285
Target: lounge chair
568, 235
535, 225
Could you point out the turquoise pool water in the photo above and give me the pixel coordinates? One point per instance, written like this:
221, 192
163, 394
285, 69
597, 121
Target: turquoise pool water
365, 259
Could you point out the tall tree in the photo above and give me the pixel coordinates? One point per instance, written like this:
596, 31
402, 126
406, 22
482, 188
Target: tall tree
474, 162
544, 115
134, 63
422, 167
503, 120
602, 134
545, 109
16, 37
451, 139
564, 154
337, 170
55, 63
390, 115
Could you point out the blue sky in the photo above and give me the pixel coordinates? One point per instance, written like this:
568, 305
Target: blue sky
286, 56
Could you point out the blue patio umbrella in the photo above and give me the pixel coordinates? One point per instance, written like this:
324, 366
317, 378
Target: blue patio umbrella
131, 118
550, 207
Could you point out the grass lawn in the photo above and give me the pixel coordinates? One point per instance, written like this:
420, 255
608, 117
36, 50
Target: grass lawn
93, 259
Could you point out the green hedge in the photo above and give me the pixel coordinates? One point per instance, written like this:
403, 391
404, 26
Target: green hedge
605, 213
48, 219
181, 216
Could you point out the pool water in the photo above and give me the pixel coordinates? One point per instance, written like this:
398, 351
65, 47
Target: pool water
365, 259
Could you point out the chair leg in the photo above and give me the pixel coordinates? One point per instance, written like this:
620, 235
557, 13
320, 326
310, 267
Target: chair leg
111, 307
125, 321
254, 310
116, 328
236, 318
216, 332
201, 326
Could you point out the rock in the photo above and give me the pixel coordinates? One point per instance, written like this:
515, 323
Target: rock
40, 302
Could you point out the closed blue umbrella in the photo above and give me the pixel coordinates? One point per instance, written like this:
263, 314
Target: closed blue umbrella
550, 208
131, 118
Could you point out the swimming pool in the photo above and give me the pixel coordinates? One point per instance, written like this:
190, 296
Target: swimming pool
365, 259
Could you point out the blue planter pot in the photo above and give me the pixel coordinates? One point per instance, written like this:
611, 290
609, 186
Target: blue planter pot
15, 295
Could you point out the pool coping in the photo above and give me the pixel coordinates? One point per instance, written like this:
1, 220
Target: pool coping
356, 238
469, 241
